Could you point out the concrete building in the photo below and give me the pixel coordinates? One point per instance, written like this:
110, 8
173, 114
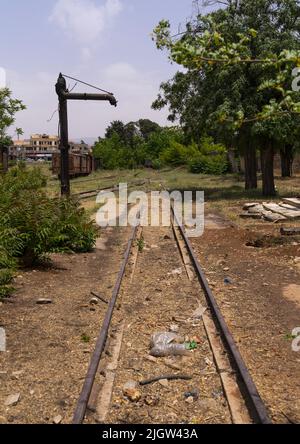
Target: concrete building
42, 146
43, 142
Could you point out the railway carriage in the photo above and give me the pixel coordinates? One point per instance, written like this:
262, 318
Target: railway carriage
79, 164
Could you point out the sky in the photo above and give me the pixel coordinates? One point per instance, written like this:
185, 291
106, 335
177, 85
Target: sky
103, 42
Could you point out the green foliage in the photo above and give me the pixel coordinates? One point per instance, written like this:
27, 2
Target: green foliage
8, 108
177, 154
33, 225
173, 155
238, 78
85, 338
156, 164
6, 277
161, 147
141, 244
135, 144
210, 159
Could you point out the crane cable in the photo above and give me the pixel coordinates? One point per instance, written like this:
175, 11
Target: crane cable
88, 84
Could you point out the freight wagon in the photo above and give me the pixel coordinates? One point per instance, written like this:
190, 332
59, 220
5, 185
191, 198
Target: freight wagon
79, 164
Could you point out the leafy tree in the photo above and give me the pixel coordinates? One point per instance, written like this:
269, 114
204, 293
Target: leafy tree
147, 127
239, 61
19, 132
118, 127
8, 108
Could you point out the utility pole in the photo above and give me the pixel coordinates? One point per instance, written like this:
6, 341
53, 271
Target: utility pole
64, 95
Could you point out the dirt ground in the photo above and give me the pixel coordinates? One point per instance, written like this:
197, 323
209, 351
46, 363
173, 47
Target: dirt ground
258, 290
49, 346
160, 296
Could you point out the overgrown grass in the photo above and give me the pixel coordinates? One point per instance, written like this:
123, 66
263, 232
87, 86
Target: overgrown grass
225, 194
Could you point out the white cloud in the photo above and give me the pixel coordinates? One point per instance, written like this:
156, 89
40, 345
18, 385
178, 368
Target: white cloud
85, 20
121, 72
135, 91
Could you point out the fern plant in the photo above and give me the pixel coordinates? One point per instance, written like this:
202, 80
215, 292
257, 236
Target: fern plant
33, 225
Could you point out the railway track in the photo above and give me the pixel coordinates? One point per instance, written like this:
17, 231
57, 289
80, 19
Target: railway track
164, 257
93, 193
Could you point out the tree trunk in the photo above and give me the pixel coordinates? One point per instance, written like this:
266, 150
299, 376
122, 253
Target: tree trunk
287, 158
249, 152
250, 166
4, 159
267, 165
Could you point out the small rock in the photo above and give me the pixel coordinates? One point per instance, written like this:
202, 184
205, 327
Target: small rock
154, 246
192, 394
177, 272
164, 383
190, 400
208, 362
94, 301
12, 400
15, 375
174, 328
32, 392
57, 420
131, 391
152, 401
44, 301
167, 237
226, 269
227, 281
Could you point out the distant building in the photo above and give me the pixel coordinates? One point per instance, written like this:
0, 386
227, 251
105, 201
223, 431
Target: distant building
80, 148
42, 142
42, 146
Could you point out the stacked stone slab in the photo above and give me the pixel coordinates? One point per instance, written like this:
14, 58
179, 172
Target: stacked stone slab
289, 209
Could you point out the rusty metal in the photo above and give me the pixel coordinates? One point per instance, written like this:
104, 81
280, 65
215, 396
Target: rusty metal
259, 409
61, 87
64, 95
98, 97
101, 342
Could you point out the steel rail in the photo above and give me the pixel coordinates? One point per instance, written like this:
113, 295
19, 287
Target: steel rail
257, 404
82, 404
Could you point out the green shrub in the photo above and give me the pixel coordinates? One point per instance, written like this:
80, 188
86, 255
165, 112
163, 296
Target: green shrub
33, 225
157, 165
6, 277
215, 165
211, 158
